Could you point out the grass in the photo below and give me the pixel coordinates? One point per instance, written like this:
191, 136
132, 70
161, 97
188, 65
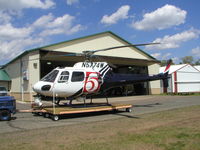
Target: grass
177, 129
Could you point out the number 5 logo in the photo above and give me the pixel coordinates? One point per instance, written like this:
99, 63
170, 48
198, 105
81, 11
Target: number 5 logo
91, 83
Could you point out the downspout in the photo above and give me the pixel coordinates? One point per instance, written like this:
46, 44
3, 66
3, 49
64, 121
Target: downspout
22, 81
175, 83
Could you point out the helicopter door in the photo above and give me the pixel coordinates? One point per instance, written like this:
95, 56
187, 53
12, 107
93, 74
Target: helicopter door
62, 84
77, 82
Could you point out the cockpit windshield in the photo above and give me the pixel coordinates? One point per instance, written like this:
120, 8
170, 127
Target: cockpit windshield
50, 77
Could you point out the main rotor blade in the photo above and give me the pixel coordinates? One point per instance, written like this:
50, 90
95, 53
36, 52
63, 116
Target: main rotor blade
88, 53
116, 47
74, 54
63, 55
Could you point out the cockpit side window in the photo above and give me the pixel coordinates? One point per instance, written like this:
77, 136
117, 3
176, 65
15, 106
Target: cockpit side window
77, 76
64, 76
50, 77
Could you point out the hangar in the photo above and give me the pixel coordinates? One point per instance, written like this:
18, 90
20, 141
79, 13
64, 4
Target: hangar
29, 67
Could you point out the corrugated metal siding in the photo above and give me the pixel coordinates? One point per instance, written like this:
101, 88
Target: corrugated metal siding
188, 81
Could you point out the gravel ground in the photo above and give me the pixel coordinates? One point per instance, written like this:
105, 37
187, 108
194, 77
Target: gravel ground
141, 105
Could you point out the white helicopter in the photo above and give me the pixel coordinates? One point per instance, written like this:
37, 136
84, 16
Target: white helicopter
87, 78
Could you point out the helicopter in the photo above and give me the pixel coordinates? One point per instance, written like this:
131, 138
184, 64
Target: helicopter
88, 78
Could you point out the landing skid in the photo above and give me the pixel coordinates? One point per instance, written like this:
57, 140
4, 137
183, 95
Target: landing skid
91, 101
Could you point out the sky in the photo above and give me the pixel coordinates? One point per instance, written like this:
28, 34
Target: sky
27, 24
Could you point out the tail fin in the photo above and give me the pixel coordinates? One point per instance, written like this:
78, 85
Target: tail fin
166, 71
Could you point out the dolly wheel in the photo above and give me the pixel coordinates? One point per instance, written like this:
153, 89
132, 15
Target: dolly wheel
128, 110
46, 115
40, 113
55, 117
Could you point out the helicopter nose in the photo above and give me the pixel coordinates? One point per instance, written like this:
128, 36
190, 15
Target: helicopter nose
46, 87
37, 87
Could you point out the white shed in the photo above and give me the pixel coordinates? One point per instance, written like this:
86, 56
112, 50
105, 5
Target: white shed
184, 78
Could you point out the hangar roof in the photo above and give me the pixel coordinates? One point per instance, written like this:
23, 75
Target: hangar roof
57, 46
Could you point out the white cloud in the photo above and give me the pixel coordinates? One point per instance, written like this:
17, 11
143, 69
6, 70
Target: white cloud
175, 40
162, 18
166, 56
175, 60
12, 48
21, 4
156, 55
14, 40
61, 25
43, 21
71, 2
8, 32
161, 56
65, 20
4, 17
196, 51
59, 30
121, 13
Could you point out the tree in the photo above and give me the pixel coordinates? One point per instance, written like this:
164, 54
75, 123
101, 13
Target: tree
197, 62
187, 60
164, 62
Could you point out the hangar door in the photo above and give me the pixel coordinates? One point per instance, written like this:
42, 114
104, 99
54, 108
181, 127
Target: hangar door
131, 89
49, 63
128, 90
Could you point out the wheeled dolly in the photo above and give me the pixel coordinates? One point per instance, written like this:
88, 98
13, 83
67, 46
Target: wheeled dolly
55, 113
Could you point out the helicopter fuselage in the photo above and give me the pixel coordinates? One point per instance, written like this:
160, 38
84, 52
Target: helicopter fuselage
82, 79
